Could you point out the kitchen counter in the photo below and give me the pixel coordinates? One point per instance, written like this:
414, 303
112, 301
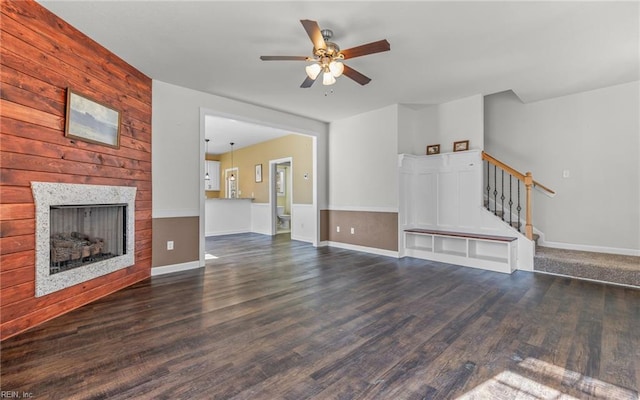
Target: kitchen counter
224, 216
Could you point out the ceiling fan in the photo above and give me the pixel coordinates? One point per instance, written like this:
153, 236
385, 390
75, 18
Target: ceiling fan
327, 56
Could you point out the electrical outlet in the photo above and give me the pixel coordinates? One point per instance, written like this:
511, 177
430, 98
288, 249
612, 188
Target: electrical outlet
353, 230
566, 173
337, 229
169, 244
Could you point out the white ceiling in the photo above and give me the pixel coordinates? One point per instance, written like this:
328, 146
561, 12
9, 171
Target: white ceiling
440, 51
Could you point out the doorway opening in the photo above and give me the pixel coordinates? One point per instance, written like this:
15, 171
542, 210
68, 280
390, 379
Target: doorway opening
282, 194
255, 206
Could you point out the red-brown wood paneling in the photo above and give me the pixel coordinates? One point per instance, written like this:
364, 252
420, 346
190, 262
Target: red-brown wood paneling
41, 56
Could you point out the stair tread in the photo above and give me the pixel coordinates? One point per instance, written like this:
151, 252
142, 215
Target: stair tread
588, 257
613, 268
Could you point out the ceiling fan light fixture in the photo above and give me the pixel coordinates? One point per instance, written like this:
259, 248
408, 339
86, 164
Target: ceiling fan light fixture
336, 68
313, 70
327, 56
328, 78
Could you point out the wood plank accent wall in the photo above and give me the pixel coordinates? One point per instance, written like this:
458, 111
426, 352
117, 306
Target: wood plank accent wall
40, 56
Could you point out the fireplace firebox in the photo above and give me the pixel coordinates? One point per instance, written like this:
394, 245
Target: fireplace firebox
87, 233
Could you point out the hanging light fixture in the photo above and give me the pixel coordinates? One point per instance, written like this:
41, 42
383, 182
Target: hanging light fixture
206, 174
232, 177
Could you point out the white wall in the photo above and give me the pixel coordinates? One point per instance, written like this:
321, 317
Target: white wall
261, 218
417, 128
302, 217
461, 119
423, 125
595, 136
363, 153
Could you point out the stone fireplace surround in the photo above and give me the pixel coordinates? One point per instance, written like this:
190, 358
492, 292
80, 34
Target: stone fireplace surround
46, 194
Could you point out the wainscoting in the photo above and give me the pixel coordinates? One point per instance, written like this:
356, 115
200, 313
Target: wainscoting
183, 232
244, 216
373, 231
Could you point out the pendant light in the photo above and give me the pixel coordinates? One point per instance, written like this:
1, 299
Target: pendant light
206, 174
232, 177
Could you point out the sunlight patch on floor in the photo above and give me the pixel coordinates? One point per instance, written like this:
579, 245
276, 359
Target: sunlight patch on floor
208, 256
585, 384
509, 385
512, 385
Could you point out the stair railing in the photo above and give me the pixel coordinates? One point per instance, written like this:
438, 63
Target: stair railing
496, 171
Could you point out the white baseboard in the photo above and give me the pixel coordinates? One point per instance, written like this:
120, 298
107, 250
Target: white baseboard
231, 232
361, 208
585, 247
586, 279
302, 239
324, 243
168, 269
364, 249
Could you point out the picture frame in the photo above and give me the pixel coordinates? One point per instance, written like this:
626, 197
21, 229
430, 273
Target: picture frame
258, 173
462, 145
91, 121
433, 149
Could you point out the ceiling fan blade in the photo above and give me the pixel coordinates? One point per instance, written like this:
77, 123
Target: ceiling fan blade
313, 30
307, 82
284, 58
369, 48
355, 75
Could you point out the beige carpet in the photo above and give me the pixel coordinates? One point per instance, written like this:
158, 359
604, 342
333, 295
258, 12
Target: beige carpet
584, 264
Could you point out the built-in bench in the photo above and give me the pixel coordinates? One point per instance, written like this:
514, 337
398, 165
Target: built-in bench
491, 252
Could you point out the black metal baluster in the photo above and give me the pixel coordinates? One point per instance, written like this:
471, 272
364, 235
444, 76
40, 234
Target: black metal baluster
488, 187
519, 207
502, 195
495, 190
510, 200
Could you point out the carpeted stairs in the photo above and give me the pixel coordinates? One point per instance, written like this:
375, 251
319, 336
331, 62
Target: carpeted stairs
611, 268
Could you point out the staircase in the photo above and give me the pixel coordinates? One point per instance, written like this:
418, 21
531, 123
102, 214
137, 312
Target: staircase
507, 195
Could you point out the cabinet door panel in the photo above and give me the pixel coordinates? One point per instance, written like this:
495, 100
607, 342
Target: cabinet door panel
213, 168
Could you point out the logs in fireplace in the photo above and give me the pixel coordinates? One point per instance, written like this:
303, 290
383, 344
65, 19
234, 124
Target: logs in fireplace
74, 249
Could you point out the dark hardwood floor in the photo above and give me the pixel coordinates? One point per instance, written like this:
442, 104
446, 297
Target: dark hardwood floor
272, 318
